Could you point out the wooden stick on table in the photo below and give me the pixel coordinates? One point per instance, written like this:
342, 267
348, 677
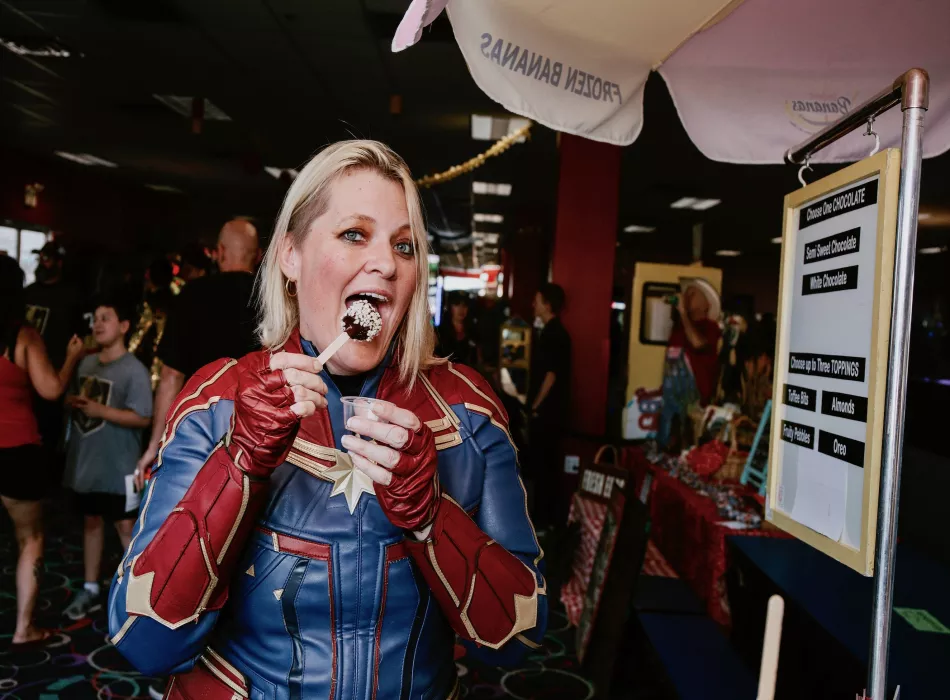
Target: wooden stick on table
770, 648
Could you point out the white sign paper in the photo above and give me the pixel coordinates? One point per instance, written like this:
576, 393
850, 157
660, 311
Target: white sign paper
822, 406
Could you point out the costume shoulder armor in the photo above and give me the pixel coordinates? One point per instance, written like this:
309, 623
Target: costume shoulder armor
209, 384
460, 384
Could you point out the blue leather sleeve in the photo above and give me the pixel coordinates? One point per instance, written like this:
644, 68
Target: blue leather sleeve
150, 646
503, 516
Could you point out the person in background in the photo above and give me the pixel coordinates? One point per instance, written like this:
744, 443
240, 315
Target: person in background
548, 399
757, 367
24, 470
194, 263
697, 332
54, 308
214, 317
112, 404
152, 316
457, 339
692, 360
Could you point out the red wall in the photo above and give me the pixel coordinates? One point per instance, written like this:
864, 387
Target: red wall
583, 264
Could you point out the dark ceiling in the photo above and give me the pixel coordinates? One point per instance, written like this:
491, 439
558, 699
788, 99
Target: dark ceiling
293, 75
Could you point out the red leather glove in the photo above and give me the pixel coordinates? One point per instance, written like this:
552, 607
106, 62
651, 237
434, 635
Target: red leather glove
412, 498
262, 425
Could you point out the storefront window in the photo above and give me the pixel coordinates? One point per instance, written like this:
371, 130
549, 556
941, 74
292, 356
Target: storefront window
8, 241
20, 244
30, 241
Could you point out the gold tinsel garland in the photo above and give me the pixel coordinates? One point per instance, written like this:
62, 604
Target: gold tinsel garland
499, 147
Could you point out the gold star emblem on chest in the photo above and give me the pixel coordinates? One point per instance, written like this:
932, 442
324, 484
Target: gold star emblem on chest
348, 480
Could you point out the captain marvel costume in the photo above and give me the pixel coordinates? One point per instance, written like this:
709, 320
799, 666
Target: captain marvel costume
263, 566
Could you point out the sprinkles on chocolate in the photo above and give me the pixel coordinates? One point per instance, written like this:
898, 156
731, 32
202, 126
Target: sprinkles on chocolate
362, 321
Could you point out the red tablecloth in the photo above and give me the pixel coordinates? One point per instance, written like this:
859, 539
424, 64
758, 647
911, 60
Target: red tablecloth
684, 528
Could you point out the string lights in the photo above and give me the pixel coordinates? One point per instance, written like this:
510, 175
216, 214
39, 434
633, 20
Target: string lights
499, 147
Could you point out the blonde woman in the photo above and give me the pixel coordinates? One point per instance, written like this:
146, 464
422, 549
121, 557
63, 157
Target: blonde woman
276, 556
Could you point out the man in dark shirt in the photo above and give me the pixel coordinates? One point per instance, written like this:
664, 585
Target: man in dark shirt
213, 317
549, 399
53, 308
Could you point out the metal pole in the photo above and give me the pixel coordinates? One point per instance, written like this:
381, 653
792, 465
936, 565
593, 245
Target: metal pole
910, 89
914, 94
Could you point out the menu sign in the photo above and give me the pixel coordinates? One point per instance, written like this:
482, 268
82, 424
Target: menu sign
834, 311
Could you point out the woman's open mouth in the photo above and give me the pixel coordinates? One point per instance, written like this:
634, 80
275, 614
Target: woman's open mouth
362, 319
374, 298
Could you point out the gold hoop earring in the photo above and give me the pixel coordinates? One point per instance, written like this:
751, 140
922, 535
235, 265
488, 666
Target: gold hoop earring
287, 284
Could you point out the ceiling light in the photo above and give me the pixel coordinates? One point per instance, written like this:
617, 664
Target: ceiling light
933, 250
500, 189
86, 159
481, 128
777, 239
164, 188
923, 216
633, 228
39, 48
684, 203
704, 204
278, 173
695, 203
488, 218
485, 128
183, 106
728, 253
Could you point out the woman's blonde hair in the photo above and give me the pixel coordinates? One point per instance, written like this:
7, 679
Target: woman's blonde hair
306, 200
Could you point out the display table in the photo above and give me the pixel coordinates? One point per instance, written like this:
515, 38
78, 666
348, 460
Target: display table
828, 619
686, 527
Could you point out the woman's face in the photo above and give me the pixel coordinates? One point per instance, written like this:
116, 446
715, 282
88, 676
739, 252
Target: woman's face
697, 306
363, 245
459, 311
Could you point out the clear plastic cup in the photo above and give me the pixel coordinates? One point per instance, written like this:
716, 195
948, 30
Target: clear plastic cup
363, 408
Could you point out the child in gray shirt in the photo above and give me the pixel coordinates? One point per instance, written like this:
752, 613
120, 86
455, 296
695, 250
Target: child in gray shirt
112, 404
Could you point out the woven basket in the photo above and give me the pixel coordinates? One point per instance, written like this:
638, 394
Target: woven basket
734, 463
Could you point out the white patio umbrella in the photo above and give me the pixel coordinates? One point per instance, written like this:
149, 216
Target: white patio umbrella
749, 79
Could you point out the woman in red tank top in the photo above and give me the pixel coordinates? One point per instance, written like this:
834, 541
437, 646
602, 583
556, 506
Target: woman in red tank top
25, 368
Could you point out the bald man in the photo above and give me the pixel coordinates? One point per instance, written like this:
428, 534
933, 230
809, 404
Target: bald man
237, 246
213, 317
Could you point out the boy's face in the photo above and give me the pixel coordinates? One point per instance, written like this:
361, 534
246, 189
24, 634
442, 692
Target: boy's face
106, 326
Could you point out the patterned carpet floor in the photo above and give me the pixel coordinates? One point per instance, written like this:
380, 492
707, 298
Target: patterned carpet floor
80, 663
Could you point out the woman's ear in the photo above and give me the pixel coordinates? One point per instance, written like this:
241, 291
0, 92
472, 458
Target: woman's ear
289, 258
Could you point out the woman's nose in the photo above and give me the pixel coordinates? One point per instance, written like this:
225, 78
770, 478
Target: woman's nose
382, 261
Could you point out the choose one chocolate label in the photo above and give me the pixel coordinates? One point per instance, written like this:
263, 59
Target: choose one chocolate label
837, 204
800, 397
798, 434
835, 403
840, 447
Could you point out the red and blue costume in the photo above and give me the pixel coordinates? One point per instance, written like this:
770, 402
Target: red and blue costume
261, 566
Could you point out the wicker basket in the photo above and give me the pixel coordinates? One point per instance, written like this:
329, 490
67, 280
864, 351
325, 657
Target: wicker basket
734, 463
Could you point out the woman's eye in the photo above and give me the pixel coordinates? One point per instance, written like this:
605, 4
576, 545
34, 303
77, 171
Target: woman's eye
405, 248
353, 236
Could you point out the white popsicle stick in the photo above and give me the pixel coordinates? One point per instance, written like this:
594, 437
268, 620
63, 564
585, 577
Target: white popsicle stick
325, 356
770, 648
